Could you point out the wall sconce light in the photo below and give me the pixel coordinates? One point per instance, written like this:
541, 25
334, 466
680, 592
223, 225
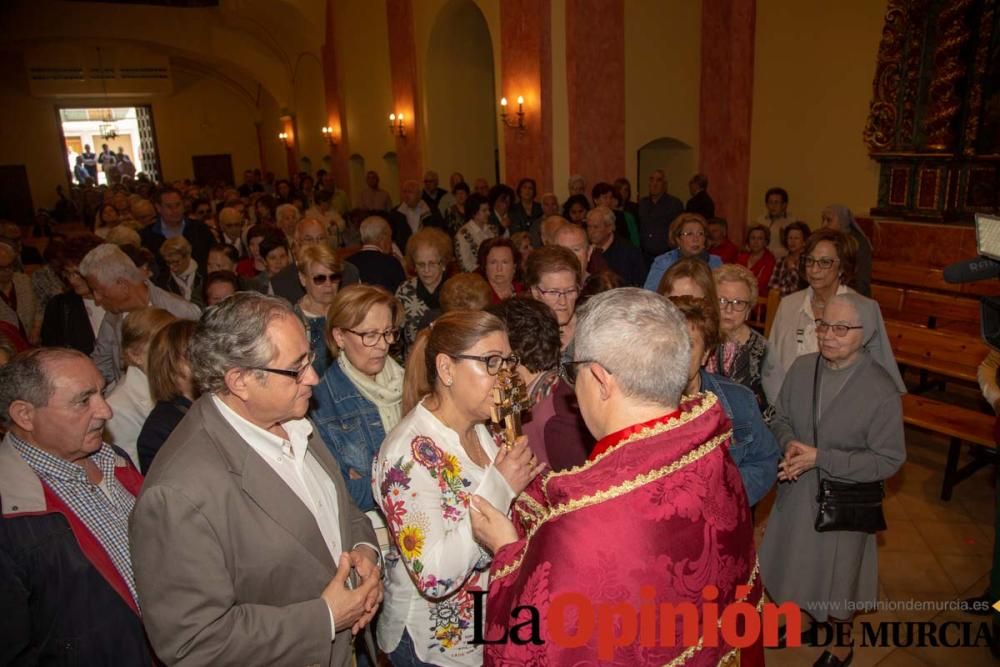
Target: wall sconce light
284, 139
328, 133
396, 125
519, 123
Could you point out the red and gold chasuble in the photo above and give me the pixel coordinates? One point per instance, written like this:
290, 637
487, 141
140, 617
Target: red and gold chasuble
612, 552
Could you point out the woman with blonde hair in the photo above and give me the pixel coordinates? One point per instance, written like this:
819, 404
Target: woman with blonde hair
184, 277
741, 354
689, 234
689, 277
428, 469
170, 385
428, 254
357, 402
320, 272
130, 400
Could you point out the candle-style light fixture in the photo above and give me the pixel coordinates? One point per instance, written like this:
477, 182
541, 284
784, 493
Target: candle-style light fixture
505, 117
284, 139
328, 133
396, 126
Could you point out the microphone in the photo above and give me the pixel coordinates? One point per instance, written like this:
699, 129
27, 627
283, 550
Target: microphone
971, 270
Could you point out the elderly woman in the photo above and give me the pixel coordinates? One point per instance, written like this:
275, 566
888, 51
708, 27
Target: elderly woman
170, 386
689, 277
741, 352
454, 216
73, 319
358, 400
428, 253
753, 447
526, 210
790, 271
184, 277
839, 417
840, 218
553, 424
287, 217
425, 476
688, 232
320, 273
465, 291
498, 262
472, 234
129, 400
757, 257
829, 262
554, 277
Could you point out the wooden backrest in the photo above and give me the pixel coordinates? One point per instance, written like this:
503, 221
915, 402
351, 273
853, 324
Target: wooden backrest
926, 277
773, 299
890, 300
947, 352
948, 311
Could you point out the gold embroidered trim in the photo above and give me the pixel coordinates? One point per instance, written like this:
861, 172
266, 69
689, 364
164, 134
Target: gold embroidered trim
707, 398
616, 491
529, 508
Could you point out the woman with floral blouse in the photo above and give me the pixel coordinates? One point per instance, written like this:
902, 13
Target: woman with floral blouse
424, 477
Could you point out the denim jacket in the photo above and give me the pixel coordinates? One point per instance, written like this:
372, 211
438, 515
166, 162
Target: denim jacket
352, 430
753, 447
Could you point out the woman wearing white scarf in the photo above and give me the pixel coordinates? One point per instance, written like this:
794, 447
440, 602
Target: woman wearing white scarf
359, 399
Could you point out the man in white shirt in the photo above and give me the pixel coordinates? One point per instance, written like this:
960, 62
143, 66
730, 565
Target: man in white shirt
246, 546
775, 218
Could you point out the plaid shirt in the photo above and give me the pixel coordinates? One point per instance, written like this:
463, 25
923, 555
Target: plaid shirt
105, 517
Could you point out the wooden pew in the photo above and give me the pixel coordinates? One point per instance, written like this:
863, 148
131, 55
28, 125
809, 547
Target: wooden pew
924, 277
955, 357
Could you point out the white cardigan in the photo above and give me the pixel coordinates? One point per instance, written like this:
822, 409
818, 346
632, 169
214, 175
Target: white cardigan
131, 404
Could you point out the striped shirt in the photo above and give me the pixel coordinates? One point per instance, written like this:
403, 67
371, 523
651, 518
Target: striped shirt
103, 508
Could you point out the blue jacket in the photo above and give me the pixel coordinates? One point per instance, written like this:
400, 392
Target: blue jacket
753, 447
668, 259
352, 430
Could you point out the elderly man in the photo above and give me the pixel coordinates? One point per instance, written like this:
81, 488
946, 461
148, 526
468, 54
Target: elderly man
373, 198
621, 256
375, 261
338, 198
171, 222
574, 238
656, 211
412, 214
119, 287
246, 545
286, 283
432, 194
65, 569
481, 187
675, 524
232, 225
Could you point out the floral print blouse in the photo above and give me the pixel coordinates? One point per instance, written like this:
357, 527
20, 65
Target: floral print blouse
423, 482
420, 307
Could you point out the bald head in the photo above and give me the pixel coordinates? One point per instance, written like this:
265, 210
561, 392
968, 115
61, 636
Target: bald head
410, 193
550, 226
574, 239
309, 231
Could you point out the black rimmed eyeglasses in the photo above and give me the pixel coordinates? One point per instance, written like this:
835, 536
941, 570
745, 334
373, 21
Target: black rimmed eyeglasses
839, 330
371, 338
571, 369
296, 375
494, 362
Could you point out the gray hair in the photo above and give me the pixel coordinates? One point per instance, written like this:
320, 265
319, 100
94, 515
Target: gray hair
640, 338
287, 208
233, 334
576, 178
606, 214
108, 263
373, 229
24, 378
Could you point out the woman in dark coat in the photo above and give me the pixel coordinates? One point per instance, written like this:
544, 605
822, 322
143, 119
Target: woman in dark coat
858, 438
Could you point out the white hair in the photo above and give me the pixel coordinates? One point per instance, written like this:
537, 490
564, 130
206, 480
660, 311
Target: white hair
107, 264
576, 178
639, 337
287, 208
373, 229
606, 214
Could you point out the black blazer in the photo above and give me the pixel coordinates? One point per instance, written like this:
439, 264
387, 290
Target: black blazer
378, 268
197, 233
400, 226
161, 422
66, 323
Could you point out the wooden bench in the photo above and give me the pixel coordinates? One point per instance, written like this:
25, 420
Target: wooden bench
962, 426
951, 312
910, 276
952, 356
762, 316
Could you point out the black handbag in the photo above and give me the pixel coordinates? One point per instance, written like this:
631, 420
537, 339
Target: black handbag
849, 506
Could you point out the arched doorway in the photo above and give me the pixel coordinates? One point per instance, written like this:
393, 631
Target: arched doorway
461, 125
674, 157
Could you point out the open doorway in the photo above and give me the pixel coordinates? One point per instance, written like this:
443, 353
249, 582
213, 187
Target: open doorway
111, 143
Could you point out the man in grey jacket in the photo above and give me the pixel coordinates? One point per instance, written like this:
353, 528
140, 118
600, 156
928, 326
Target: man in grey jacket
120, 288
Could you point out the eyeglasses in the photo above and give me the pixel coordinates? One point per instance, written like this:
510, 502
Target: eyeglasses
571, 369
494, 362
696, 233
371, 338
296, 375
839, 330
822, 262
321, 278
557, 294
739, 305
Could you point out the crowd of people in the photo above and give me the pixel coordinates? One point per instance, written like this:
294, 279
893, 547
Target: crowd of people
252, 425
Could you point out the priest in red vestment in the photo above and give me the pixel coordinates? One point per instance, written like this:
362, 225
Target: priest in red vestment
644, 555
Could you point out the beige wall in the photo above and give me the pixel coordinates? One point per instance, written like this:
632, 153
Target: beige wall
662, 79
813, 73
